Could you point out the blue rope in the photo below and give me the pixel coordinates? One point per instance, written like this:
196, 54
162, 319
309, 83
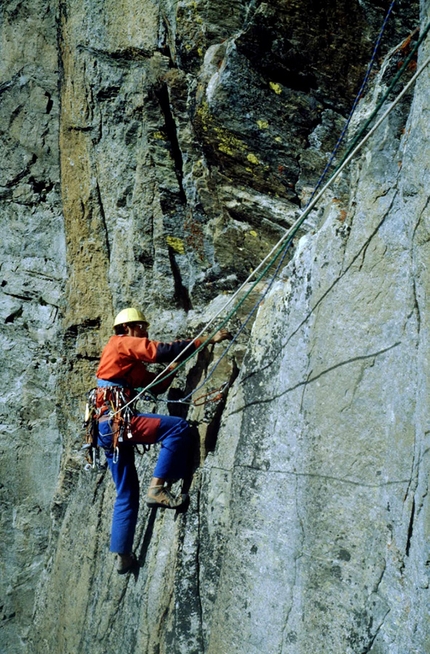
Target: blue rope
336, 148
242, 327
320, 181
355, 103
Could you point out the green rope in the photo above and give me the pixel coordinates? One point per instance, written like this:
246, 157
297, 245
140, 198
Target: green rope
286, 240
235, 309
381, 102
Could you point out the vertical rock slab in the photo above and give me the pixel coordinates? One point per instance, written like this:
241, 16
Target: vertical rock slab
32, 272
190, 134
319, 485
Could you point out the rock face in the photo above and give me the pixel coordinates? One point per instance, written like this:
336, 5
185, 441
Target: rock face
32, 273
153, 154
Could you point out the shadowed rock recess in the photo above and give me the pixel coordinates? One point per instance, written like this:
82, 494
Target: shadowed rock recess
152, 153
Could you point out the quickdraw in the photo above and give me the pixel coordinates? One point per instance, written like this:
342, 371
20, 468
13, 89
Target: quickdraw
90, 425
206, 397
122, 413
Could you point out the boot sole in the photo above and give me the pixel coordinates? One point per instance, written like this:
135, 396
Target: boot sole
153, 503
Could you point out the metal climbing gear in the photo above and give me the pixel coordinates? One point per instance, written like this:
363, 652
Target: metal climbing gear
215, 395
90, 425
116, 404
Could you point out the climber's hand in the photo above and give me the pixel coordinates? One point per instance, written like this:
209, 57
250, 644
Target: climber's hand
221, 335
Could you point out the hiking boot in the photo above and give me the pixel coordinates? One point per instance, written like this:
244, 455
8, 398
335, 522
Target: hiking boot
125, 563
161, 496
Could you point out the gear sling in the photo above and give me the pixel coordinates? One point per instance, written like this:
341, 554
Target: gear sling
112, 403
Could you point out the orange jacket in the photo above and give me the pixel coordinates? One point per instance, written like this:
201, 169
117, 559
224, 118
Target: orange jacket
123, 360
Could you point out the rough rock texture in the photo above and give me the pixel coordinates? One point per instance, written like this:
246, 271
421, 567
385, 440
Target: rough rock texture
185, 137
32, 272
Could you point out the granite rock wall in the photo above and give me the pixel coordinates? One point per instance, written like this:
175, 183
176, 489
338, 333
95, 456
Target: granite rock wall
153, 153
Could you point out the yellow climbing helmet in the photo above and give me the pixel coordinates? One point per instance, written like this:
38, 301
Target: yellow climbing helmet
129, 315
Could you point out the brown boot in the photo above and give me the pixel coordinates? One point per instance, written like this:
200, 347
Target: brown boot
125, 563
161, 496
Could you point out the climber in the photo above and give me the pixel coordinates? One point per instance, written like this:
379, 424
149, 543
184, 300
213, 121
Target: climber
122, 365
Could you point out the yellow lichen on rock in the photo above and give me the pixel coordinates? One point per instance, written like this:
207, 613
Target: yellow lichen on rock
228, 143
276, 87
252, 158
177, 244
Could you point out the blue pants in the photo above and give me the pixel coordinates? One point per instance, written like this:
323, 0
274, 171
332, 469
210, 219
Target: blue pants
172, 463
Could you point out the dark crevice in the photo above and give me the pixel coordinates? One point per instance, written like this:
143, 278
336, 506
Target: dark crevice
22, 174
41, 187
143, 552
109, 93
182, 297
6, 194
120, 57
213, 428
6, 85
162, 95
410, 528
80, 128
214, 425
15, 113
213, 410
73, 331
175, 405
195, 374
416, 305
26, 297
146, 259
259, 44
164, 46
49, 102
198, 576
16, 314
103, 219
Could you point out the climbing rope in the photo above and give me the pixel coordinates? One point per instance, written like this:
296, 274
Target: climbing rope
330, 161
390, 88
284, 242
300, 220
356, 100
318, 184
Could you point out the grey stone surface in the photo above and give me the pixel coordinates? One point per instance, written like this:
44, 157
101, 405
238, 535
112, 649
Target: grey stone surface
32, 273
186, 137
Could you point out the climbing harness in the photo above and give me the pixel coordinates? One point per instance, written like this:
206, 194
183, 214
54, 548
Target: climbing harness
120, 412
114, 404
